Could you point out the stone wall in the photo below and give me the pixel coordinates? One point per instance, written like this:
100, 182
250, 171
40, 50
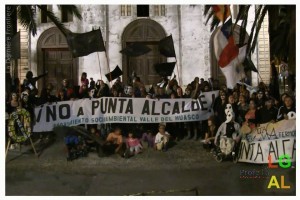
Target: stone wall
185, 23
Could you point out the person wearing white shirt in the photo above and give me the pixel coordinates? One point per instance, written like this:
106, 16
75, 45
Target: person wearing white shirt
162, 138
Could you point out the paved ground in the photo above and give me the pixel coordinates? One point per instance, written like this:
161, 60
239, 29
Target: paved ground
186, 169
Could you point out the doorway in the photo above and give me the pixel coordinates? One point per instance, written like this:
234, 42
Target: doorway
147, 32
54, 56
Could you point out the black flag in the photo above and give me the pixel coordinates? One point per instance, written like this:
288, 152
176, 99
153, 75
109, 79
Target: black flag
15, 46
135, 49
249, 65
166, 47
114, 74
165, 69
82, 44
274, 84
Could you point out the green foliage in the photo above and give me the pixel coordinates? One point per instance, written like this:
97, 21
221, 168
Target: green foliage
27, 16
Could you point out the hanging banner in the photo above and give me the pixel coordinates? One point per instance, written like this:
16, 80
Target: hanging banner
123, 110
276, 140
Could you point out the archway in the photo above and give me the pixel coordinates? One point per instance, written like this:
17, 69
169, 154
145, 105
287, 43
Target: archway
148, 32
54, 56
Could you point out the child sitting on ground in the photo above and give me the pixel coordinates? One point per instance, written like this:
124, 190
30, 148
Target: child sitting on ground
94, 134
208, 142
162, 138
149, 138
133, 144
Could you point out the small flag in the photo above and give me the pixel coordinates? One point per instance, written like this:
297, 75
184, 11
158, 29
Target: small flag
114, 74
166, 47
135, 49
83, 44
165, 69
274, 83
249, 65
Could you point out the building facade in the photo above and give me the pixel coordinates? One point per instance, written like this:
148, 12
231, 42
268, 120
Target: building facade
121, 25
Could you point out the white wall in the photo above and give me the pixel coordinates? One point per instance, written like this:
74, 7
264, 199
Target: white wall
195, 44
192, 61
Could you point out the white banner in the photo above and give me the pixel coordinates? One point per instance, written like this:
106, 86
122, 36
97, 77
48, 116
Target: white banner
270, 139
123, 110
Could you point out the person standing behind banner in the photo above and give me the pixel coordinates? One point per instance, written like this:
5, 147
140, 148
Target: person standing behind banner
242, 109
84, 80
84, 92
219, 107
68, 92
162, 138
250, 117
102, 89
233, 104
260, 99
268, 113
286, 108
46, 96
195, 88
30, 82
61, 96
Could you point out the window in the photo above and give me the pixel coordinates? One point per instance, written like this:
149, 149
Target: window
44, 18
125, 10
142, 10
159, 10
66, 16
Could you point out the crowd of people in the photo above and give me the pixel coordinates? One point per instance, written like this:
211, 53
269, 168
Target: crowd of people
250, 108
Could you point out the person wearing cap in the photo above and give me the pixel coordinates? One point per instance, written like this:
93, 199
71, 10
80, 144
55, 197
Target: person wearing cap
162, 138
268, 113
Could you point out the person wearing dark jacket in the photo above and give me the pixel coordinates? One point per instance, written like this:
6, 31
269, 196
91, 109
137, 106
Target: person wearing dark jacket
267, 113
260, 99
30, 81
219, 108
288, 107
46, 96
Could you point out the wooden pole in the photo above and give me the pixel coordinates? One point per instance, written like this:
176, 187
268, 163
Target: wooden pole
179, 77
99, 65
32, 145
8, 145
108, 69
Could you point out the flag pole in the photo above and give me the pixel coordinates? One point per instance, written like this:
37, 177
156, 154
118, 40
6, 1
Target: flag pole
180, 82
108, 69
99, 65
19, 71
